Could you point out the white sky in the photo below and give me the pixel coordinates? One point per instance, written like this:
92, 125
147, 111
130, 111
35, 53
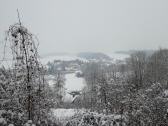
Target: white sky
90, 25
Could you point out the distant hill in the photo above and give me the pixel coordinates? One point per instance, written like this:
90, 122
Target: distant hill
56, 54
93, 56
129, 52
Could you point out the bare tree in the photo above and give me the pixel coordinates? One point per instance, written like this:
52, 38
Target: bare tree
25, 57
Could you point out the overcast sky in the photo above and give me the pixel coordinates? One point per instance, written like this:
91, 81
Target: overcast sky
90, 25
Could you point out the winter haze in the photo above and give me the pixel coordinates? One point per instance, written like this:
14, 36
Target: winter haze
90, 25
83, 63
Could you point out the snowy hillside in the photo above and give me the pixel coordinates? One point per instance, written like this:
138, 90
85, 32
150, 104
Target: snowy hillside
87, 57
63, 57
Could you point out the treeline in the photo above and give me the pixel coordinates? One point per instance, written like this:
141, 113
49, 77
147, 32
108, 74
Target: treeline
136, 89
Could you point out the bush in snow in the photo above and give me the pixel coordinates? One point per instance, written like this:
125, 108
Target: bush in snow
95, 119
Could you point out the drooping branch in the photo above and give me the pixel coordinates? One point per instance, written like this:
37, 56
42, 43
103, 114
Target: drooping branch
25, 58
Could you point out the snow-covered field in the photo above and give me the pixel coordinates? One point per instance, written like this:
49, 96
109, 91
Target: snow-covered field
62, 113
72, 83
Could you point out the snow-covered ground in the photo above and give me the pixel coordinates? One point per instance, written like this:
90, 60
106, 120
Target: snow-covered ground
62, 113
72, 83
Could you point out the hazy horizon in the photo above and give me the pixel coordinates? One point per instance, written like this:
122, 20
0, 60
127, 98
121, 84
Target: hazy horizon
90, 26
